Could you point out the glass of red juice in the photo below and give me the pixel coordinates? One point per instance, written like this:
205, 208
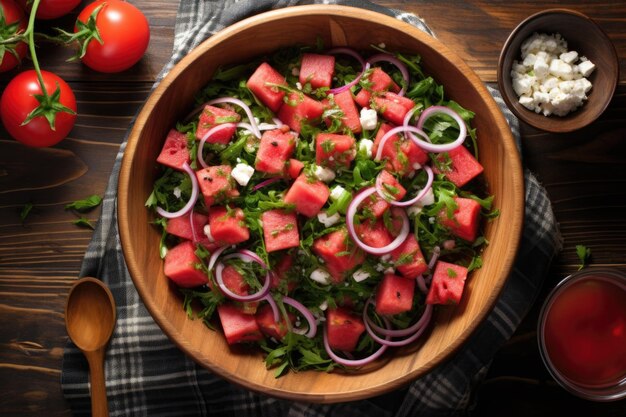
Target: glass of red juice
582, 334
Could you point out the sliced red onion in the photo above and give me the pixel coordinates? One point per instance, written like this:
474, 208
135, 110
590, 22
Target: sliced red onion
386, 342
208, 135
253, 256
408, 115
433, 110
268, 297
352, 207
237, 297
421, 283
418, 197
192, 226
423, 143
386, 331
351, 362
244, 106
435, 256
216, 255
277, 121
395, 61
192, 198
265, 183
306, 313
359, 58
248, 127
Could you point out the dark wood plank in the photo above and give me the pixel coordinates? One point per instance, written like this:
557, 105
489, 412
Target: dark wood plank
584, 173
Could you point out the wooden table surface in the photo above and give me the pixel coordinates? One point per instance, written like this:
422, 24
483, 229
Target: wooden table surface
584, 172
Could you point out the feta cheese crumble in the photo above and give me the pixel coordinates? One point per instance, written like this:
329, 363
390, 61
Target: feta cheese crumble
324, 174
242, 174
320, 276
550, 79
327, 220
368, 119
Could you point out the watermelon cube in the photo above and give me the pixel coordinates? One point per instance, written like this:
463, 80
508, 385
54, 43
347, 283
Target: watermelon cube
402, 155
280, 230
228, 226
463, 166
465, 219
174, 152
238, 326
339, 253
180, 266
447, 284
234, 281
332, 149
374, 205
392, 107
376, 80
346, 104
275, 148
294, 168
374, 234
394, 295
308, 194
270, 328
317, 70
212, 116
280, 275
343, 329
391, 187
408, 258
264, 84
298, 109
216, 184
182, 227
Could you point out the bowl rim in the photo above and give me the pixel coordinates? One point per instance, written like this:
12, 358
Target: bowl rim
573, 123
125, 220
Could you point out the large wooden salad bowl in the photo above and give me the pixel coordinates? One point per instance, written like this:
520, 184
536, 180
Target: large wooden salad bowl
337, 26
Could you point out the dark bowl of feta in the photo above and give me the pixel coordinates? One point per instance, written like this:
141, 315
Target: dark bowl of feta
558, 70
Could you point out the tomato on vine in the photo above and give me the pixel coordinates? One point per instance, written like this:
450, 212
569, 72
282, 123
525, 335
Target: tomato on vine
51, 9
12, 22
113, 35
33, 119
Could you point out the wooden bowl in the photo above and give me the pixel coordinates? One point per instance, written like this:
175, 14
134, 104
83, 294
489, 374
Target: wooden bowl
582, 35
337, 26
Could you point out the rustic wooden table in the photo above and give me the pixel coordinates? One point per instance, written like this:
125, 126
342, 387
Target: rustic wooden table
584, 172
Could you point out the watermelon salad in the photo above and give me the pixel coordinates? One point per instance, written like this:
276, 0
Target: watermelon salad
319, 204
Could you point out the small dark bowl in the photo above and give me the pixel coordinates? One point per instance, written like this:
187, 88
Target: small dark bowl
582, 35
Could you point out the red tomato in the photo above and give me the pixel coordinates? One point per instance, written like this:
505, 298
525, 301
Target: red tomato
12, 13
18, 101
51, 9
125, 34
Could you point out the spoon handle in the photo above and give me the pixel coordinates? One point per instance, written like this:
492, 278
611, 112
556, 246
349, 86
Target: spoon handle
99, 405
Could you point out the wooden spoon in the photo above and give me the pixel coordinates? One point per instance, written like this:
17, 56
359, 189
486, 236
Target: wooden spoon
90, 319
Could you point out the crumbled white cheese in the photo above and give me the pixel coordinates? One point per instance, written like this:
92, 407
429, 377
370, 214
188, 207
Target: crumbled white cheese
242, 173
550, 79
324, 174
207, 233
427, 200
298, 86
324, 305
337, 192
360, 275
365, 146
327, 220
320, 276
176, 192
368, 118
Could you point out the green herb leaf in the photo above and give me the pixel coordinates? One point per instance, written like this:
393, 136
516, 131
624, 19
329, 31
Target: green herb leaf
85, 204
584, 253
25, 211
83, 222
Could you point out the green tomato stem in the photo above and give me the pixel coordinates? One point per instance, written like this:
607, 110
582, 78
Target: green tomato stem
30, 32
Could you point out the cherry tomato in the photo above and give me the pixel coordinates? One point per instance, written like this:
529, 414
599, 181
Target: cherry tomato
12, 13
125, 34
18, 101
51, 9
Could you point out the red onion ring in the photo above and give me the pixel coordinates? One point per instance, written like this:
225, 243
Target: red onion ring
395, 61
207, 135
192, 198
245, 108
351, 362
434, 257
305, 313
192, 226
268, 297
407, 116
248, 127
352, 207
421, 284
418, 197
265, 183
421, 322
355, 55
219, 268
253, 256
215, 255
395, 343
432, 110
424, 143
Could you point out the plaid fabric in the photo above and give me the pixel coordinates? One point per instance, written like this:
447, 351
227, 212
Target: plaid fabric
147, 375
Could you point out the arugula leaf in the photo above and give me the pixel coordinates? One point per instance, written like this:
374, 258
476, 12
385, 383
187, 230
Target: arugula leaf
86, 204
25, 211
83, 222
584, 254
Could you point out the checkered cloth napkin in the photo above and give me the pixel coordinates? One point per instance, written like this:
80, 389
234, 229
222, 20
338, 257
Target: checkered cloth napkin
146, 374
